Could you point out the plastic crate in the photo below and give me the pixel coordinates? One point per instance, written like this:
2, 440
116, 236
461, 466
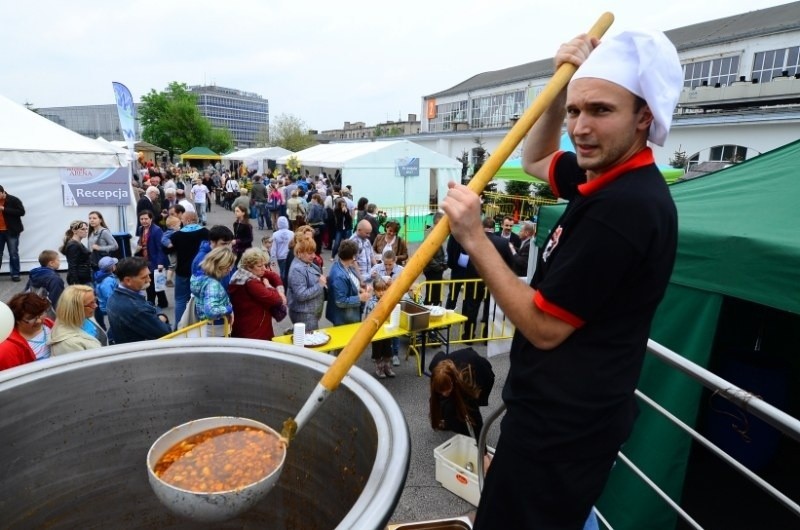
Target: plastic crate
452, 458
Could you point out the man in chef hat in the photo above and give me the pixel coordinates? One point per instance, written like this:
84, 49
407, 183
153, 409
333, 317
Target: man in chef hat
583, 323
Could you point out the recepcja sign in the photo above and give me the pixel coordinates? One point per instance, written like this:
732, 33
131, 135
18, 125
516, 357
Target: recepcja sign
95, 187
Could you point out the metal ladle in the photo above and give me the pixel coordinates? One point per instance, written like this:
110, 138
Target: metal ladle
234, 502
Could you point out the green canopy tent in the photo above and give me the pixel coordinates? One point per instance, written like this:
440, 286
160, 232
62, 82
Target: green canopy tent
739, 238
200, 153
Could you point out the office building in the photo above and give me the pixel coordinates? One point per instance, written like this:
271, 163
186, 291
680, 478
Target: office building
89, 120
741, 93
244, 114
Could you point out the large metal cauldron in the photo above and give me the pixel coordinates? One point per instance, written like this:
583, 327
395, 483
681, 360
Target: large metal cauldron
75, 431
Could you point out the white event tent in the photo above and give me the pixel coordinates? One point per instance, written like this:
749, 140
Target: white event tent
371, 168
35, 156
257, 157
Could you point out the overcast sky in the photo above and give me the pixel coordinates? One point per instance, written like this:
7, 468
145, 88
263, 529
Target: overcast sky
323, 62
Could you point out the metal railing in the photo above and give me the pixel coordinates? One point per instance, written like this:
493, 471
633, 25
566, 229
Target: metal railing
494, 326
784, 423
518, 207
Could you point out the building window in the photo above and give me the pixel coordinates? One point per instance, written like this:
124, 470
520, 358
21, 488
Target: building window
727, 153
446, 114
496, 110
723, 71
771, 64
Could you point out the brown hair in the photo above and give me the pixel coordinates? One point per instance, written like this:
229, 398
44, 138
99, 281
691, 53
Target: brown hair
32, 304
300, 235
74, 226
348, 249
305, 245
391, 223
46, 256
446, 377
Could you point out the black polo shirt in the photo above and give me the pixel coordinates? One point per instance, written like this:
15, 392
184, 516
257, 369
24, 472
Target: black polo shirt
604, 270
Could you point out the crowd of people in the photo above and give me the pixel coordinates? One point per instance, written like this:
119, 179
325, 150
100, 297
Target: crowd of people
224, 272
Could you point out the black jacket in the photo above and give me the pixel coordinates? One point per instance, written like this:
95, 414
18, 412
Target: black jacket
454, 250
12, 213
514, 239
521, 258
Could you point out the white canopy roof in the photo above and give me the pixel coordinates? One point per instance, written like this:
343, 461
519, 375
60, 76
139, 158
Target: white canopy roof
378, 154
30, 140
258, 153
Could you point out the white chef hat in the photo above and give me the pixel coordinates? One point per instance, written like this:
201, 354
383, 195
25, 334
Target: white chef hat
645, 63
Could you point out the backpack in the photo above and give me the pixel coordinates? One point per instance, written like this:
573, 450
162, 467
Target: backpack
232, 185
273, 204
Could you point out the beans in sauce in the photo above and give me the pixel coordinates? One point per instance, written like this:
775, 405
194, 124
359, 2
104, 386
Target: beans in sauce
221, 459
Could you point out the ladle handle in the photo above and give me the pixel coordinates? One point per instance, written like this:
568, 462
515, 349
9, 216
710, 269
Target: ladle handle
350, 354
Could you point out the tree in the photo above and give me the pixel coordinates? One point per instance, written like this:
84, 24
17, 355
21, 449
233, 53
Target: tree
464, 159
543, 190
171, 119
481, 155
679, 161
291, 133
518, 187
262, 136
220, 140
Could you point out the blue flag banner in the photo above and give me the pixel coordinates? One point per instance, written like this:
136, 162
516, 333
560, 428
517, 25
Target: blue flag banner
126, 112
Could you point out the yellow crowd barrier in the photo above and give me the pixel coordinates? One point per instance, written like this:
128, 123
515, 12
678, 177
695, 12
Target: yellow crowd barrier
484, 314
202, 329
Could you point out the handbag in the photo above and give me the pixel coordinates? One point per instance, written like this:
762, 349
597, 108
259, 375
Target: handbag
279, 312
189, 317
160, 280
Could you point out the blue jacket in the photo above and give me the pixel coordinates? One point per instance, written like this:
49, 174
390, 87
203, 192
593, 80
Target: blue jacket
344, 305
211, 297
155, 251
105, 283
132, 319
50, 280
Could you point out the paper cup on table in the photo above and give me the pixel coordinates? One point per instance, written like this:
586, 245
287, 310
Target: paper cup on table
394, 318
299, 334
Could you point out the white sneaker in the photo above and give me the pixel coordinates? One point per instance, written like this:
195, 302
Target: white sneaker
380, 370
388, 371
395, 361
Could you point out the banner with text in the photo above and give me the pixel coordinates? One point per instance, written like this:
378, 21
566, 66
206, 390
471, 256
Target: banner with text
96, 187
408, 167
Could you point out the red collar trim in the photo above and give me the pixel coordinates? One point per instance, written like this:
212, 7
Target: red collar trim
640, 159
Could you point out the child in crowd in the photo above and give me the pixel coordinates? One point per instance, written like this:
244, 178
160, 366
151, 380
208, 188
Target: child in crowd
280, 244
266, 243
381, 349
389, 270
105, 282
46, 276
173, 225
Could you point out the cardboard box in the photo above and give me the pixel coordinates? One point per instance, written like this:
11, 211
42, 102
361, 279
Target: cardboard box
452, 459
